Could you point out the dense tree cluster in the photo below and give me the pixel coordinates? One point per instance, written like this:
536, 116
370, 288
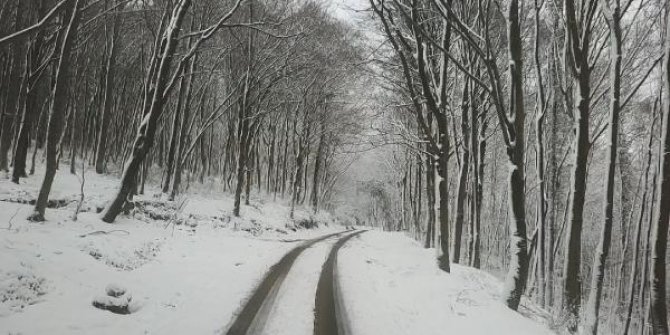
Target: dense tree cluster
527, 137
537, 130
251, 94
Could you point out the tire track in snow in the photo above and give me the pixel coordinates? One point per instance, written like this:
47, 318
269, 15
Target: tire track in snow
329, 316
252, 317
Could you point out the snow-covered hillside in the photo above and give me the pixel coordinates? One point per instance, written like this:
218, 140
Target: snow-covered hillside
392, 286
188, 267
188, 274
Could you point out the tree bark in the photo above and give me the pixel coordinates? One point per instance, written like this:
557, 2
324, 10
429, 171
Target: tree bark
108, 99
58, 109
517, 275
637, 236
317, 170
604, 244
13, 91
29, 106
659, 228
184, 131
578, 43
153, 107
463, 175
540, 112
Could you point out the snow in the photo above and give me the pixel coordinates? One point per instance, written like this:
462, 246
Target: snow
192, 271
392, 286
294, 308
188, 278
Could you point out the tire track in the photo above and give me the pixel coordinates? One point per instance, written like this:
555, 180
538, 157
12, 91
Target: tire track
252, 317
329, 316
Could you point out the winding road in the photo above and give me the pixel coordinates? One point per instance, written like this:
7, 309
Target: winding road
329, 318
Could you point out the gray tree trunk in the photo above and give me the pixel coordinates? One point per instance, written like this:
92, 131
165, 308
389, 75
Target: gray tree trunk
592, 310
659, 228
110, 76
57, 114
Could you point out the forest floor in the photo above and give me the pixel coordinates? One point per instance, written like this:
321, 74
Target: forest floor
189, 267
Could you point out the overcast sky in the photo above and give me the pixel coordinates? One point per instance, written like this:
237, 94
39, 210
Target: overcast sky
346, 9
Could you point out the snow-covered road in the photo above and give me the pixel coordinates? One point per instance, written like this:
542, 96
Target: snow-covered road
265, 309
199, 276
384, 283
298, 297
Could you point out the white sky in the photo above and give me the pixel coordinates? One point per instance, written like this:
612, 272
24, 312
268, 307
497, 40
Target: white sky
346, 9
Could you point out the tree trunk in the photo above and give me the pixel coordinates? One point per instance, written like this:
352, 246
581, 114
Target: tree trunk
317, 170
515, 282
659, 228
13, 91
540, 111
174, 137
604, 244
108, 99
637, 236
58, 109
243, 150
478, 185
578, 44
153, 107
463, 175
183, 133
430, 198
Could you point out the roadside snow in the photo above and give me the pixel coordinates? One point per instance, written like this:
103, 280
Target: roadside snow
392, 286
188, 275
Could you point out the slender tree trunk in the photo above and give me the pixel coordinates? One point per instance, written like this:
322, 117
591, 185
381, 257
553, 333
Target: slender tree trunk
479, 187
183, 133
317, 170
430, 198
57, 114
517, 275
637, 237
463, 175
243, 150
604, 244
73, 140
578, 44
108, 99
244, 135
174, 137
659, 228
540, 111
10, 111
40, 121
153, 107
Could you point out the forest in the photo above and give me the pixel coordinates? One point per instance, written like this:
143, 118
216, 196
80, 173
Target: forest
526, 138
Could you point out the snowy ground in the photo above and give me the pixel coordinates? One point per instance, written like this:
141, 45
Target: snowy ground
392, 286
191, 270
185, 278
293, 311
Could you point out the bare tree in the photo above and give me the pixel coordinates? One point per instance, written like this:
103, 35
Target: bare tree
57, 112
659, 228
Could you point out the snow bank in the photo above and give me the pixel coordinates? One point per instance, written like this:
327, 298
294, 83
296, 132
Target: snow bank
392, 286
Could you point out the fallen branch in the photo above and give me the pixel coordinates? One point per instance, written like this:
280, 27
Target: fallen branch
102, 232
12, 218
